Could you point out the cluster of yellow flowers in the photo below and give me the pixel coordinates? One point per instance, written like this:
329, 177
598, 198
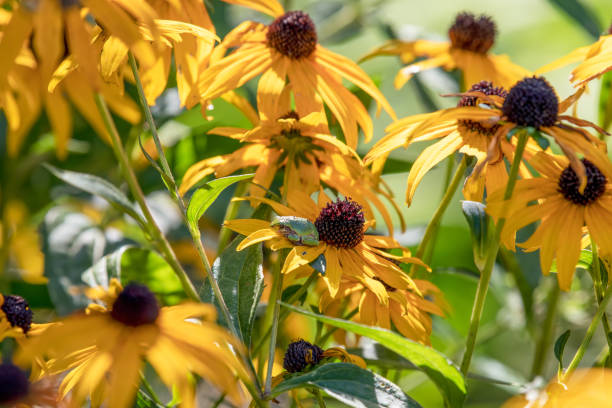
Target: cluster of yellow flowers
61, 52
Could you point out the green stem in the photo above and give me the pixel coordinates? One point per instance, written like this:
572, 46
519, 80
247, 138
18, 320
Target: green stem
436, 219
159, 239
320, 400
150, 390
219, 401
599, 291
274, 308
485, 273
589, 334
193, 230
285, 312
547, 331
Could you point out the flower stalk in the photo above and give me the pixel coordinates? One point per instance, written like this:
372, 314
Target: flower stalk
485, 273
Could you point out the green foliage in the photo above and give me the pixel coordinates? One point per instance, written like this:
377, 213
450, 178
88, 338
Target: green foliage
206, 195
351, 385
478, 220
577, 11
436, 366
560, 347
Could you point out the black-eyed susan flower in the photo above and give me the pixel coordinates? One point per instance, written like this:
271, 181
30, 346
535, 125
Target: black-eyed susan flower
595, 60
302, 147
16, 390
348, 252
456, 133
288, 48
555, 199
471, 38
408, 310
103, 350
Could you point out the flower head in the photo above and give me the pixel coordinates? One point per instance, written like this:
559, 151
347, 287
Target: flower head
293, 34
301, 354
16, 390
341, 223
532, 102
17, 312
14, 383
102, 351
470, 40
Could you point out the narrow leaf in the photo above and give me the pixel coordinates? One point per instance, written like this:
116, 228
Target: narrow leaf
97, 186
240, 278
351, 385
581, 14
605, 101
435, 365
478, 220
560, 346
206, 195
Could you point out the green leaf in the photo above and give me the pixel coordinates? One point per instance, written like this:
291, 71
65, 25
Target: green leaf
240, 278
206, 195
605, 101
351, 385
149, 268
560, 346
109, 266
99, 187
435, 365
478, 220
581, 14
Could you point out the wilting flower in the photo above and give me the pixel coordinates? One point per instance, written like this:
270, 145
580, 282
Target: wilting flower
462, 129
16, 390
471, 38
338, 236
585, 388
595, 60
288, 48
409, 311
103, 350
556, 200
302, 147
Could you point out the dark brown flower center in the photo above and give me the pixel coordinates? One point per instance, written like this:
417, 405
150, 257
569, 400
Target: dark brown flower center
293, 34
14, 384
476, 34
341, 223
486, 88
136, 305
17, 312
301, 354
569, 184
532, 102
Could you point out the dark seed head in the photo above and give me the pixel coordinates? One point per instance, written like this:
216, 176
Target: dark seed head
293, 34
486, 88
476, 34
17, 312
14, 384
532, 102
569, 184
300, 354
135, 306
340, 223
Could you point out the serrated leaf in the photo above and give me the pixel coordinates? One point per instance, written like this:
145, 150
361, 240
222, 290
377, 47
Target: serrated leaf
581, 14
351, 385
149, 268
240, 278
478, 221
560, 346
435, 365
206, 195
97, 186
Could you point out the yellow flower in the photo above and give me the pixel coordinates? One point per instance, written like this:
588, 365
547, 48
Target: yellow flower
409, 311
103, 350
288, 48
595, 60
302, 146
556, 201
471, 136
38, 79
341, 240
16, 390
471, 38
531, 102
585, 388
